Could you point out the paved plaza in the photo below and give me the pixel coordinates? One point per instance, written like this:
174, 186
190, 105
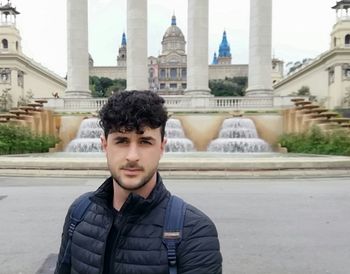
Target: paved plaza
266, 226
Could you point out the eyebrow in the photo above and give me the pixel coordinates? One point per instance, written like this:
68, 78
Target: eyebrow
144, 138
120, 138
147, 138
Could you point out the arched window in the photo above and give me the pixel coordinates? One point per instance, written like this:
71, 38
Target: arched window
347, 40
5, 44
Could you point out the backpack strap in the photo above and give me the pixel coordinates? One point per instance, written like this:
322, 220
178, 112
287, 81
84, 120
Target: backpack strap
77, 215
173, 229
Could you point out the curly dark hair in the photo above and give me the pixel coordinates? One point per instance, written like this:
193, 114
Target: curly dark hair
134, 110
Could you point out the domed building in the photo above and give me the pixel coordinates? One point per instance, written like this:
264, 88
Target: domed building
167, 73
172, 62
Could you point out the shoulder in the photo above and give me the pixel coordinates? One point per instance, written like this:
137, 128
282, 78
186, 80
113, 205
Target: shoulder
199, 250
198, 223
82, 201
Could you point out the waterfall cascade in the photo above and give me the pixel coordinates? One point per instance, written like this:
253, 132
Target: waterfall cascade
238, 135
88, 137
177, 142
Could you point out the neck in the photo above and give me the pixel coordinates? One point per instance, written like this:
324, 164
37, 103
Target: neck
120, 195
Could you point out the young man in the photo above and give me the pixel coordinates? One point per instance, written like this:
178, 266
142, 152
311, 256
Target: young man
122, 229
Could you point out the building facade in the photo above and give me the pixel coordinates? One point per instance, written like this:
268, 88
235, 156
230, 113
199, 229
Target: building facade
328, 75
20, 75
168, 71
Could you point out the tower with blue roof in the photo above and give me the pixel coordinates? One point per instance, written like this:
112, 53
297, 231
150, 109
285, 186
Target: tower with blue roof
224, 57
121, 59
215, 59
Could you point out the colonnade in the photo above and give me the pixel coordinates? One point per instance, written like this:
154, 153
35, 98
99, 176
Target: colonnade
197, 47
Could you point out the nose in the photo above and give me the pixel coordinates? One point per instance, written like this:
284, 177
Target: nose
133, 153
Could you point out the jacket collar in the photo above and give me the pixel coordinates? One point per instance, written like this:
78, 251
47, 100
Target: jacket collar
135, 204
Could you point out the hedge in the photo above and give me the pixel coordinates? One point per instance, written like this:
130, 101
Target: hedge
16, 139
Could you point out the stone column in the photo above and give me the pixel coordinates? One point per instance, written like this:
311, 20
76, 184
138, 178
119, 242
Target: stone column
197, 48
260, 47
136, 69
77, 49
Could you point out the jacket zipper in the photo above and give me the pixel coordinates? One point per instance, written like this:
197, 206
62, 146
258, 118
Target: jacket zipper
104, 247
119, 227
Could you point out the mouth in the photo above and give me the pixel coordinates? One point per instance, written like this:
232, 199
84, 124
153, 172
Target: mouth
131, 171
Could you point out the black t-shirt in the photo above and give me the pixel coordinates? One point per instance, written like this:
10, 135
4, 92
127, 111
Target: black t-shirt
112, 236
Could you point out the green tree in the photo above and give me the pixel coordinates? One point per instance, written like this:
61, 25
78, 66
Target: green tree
304, 91
118, 85
235, 86
104, 87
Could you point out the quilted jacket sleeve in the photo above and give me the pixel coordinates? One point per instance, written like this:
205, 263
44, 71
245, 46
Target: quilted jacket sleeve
199, 251
60, 267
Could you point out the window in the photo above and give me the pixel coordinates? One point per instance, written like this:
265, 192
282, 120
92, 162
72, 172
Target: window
173, 73
347, 73
173, 86
347, 40
335, 42
5, 44
20, 79
162, 73
331, 76
184, 73
4, 77
16, 45
184, 85
162, 86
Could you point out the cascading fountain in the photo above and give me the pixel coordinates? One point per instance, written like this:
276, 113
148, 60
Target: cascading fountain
88, 137
177, 142
238, 135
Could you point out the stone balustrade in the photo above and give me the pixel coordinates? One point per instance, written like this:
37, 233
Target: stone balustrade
180, 103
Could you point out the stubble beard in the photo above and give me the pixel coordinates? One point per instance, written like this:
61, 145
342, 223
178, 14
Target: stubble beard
143, 181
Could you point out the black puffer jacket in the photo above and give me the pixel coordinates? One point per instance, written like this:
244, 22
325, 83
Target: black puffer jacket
138, 248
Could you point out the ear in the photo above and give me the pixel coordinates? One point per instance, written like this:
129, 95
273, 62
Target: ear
163, 144
103, 142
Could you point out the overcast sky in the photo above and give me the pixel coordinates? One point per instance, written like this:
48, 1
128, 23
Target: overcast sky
301, 29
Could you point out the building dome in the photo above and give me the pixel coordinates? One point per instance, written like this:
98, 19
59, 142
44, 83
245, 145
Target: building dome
173, 39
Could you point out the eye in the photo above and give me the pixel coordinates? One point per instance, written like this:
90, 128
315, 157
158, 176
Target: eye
146, 142
121, 141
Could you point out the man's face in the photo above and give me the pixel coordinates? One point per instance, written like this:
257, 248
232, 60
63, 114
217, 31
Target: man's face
133, 158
